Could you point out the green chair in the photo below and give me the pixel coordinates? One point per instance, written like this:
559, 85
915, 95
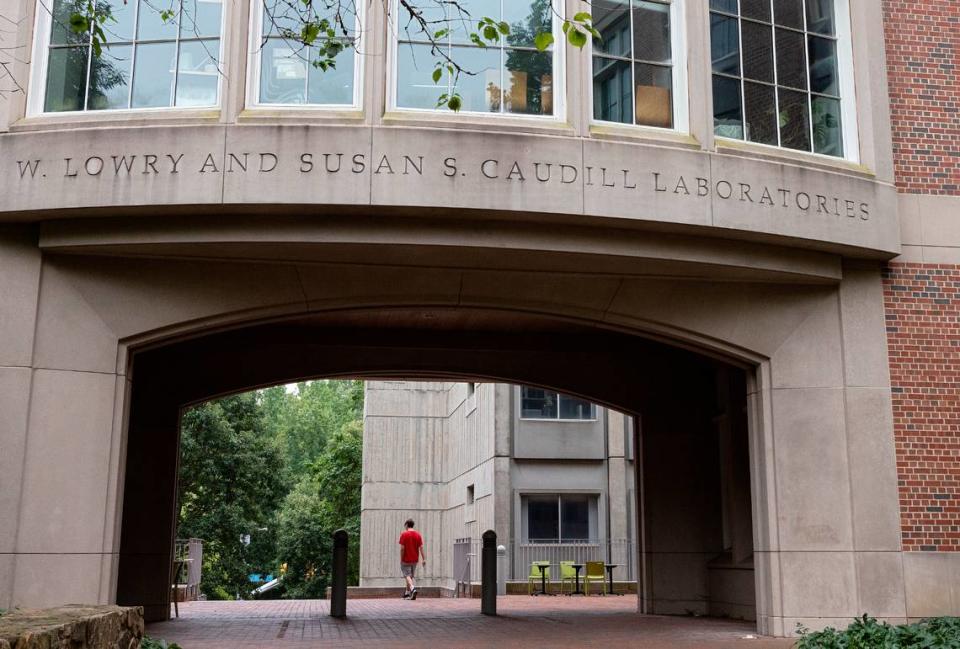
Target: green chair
534, 578
568, 575
594, 574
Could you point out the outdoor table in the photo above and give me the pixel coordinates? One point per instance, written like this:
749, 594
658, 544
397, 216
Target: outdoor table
543, 579
610, 567
577, 567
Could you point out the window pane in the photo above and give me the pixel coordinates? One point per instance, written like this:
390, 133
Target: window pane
334, 85
823, 66
415, 87
727, 112
527, 19
651, 32
758, 9
791, 59
119, 25
612, 19
574, 408
529, 82
66, 79
462, 23
197, 73
110, 78
788, 13
200, 18
724, 5
283, 73
537, 404
543, 519
757, 51
612, 83
725, 44
575, 518
654, 105
150, 26
794, 120
761, 108
153, 75
480, 92
60, 33
827, 132
820, 17
278, 16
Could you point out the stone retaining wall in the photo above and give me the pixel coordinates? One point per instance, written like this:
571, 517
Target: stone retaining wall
73, 627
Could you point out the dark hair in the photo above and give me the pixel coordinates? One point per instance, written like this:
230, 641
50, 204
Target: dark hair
409, 522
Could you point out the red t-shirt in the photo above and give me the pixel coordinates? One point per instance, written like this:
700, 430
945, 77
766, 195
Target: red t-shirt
411, 542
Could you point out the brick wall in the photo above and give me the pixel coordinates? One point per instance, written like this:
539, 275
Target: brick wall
923, 41
923, 334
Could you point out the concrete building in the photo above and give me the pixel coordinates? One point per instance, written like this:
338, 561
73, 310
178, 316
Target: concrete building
749, 199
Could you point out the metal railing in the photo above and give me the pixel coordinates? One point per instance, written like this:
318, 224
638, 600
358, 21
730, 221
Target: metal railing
521, 554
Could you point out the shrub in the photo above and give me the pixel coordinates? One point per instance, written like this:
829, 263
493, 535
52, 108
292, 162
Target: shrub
152, 643
867, 633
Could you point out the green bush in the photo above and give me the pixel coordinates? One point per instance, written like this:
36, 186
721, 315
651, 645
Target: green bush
867, 633
151, 643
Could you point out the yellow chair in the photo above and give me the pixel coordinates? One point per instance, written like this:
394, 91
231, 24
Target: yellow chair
568, 575
534, 577
594, 574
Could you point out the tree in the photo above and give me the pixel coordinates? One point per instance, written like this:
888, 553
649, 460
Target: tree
326, 27
230, 484
324, 500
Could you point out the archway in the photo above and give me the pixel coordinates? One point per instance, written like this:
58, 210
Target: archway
662, 385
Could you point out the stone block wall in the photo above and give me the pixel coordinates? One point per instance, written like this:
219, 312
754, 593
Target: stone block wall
73, 627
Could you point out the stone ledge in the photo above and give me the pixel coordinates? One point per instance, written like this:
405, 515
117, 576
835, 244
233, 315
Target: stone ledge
73, 626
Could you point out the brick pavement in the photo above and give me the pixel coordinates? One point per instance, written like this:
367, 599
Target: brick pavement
529, 622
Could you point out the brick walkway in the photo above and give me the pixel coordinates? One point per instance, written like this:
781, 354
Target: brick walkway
528, 622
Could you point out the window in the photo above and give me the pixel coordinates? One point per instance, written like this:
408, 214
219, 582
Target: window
564, 518
777, 73
511, 76
145, 62
470, 494
544, 404
634, 76
286, 73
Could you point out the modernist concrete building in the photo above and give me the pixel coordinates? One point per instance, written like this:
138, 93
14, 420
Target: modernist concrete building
737, 210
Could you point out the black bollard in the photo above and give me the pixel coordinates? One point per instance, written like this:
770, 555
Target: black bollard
338, 579
488, 574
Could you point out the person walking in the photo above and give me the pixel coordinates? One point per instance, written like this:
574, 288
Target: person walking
411, 550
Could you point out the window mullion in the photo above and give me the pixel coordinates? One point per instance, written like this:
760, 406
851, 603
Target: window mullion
806, 62
86, 88
176, 55
633, 69
133, 52
776, 73
743, 82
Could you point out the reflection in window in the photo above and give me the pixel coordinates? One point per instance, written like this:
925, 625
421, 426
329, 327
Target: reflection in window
559, 518
146, 62
545, 404
509, 77
289, 74
632, 62
775, 73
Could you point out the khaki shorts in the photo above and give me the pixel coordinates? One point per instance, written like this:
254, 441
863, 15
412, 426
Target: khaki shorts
408, 569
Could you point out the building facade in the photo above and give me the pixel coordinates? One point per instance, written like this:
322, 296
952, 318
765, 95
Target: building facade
721, 211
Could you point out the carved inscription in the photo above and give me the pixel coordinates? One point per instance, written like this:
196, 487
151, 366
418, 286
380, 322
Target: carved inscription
547, 174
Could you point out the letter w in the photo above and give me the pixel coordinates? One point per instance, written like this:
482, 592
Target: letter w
32, 166
122, 162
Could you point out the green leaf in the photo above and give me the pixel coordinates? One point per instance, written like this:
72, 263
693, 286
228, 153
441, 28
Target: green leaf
566, 26
79, 23
437, 74
454, 103
309, 33
577, 38
582, 17
476, 40
504, 28
441, 33
490, 33
543, 40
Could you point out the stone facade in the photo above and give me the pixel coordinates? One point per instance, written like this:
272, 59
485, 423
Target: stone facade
73, 627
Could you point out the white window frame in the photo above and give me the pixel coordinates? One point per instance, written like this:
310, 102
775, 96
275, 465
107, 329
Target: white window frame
846, 81
37, 90
595, 417
255, 62
559, 73
678, 57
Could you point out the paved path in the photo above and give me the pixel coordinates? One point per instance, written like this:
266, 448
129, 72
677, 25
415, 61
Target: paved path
528, 622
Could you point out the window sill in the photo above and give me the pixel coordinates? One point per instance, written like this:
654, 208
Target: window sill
725, 146
273, 114
643, 135
451, 120
172, 117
